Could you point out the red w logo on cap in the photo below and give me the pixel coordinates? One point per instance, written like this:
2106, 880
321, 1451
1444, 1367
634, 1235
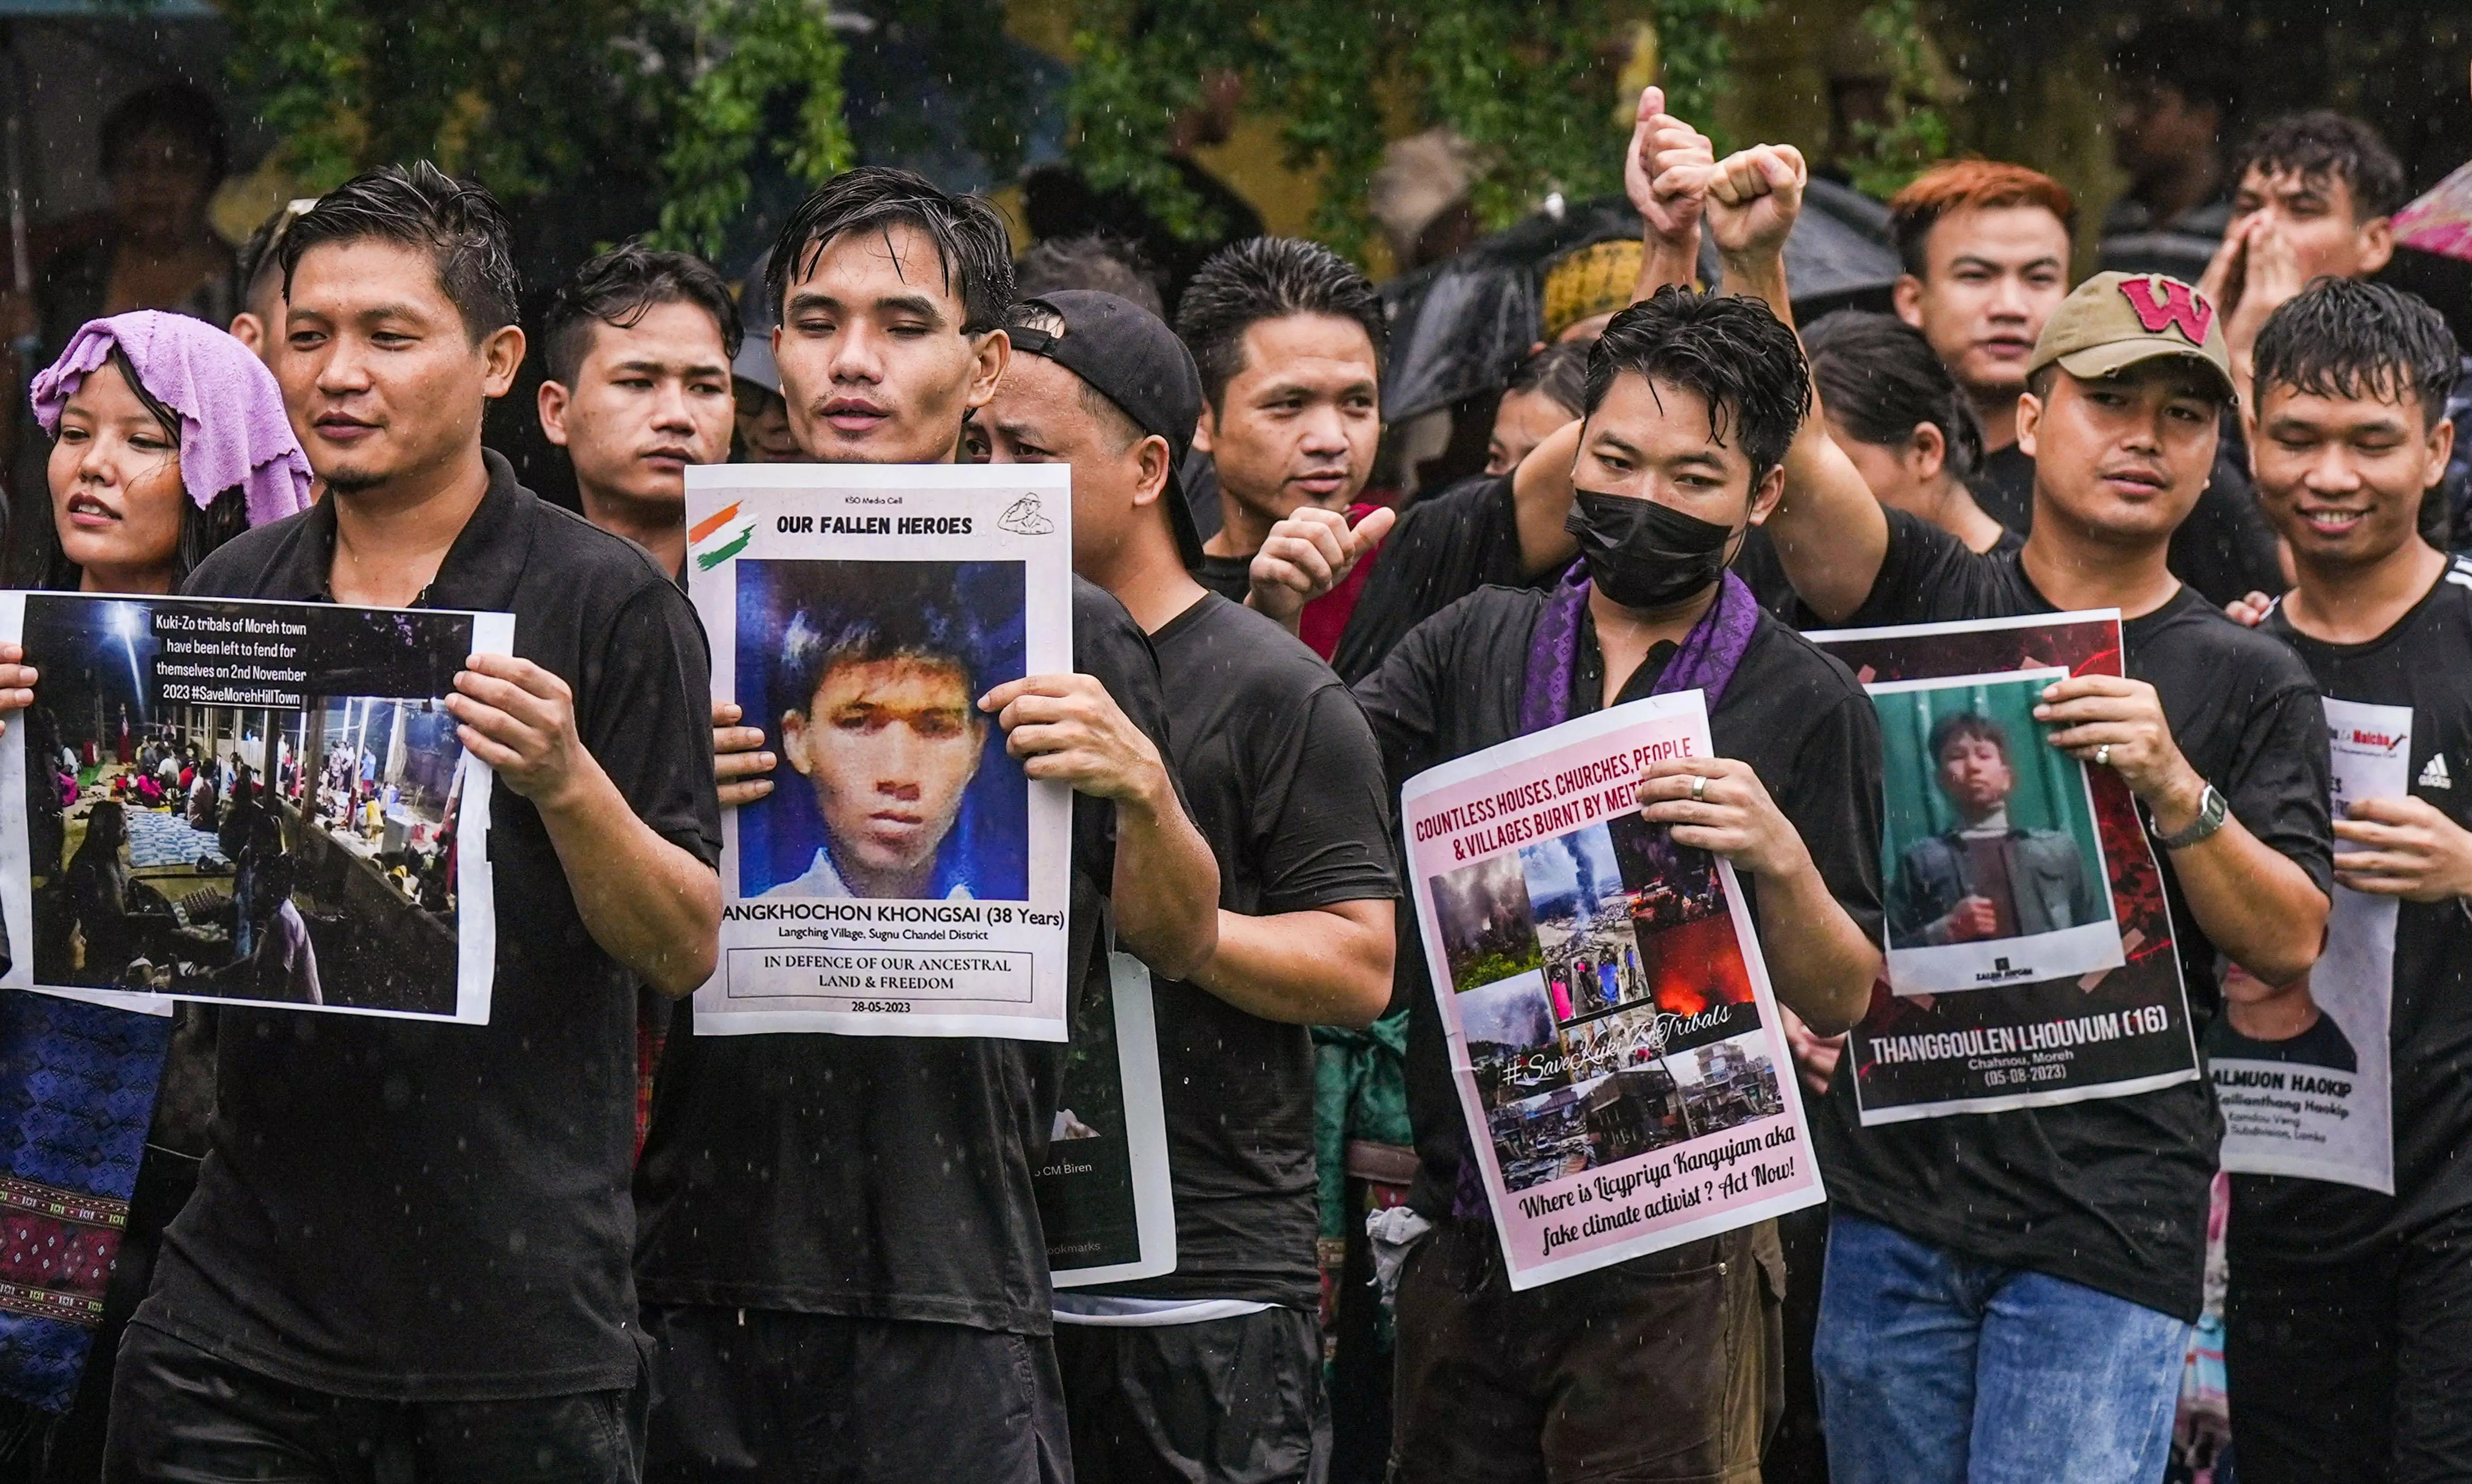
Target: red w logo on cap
2181, 307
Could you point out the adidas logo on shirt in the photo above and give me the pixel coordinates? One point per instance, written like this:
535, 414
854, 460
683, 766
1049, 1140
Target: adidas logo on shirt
2435, 776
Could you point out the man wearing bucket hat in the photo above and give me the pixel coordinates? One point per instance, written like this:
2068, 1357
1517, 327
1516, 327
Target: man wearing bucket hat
2008, 1293
1213, 1371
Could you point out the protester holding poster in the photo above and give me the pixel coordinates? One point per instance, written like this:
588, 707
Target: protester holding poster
2349, 1315
1214, 1371
886, 1301
1692, 402
2088, 1218
168, 441
288, 1320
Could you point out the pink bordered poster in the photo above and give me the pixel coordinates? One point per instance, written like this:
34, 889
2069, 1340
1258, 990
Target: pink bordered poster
1613, 1037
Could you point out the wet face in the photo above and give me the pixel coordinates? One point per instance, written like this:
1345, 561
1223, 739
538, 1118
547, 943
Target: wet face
1522, 420
764, 426
1298, 423
889, 746
1653, 440
2124, 458
117, 500
1039, 416
385, 384
2341, 478
1975, 775
649, 399
874, 365
2318, 218
1991, 278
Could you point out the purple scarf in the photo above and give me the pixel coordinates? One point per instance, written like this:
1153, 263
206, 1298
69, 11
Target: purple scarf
1705, 662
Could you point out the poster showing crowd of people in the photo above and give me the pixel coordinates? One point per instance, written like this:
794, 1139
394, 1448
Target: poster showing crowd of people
1103, 1194
247, 802
2303, 1073
1617, 1048
906, 877
2030, 949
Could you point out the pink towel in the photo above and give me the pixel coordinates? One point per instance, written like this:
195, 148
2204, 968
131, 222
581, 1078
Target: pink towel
232, 427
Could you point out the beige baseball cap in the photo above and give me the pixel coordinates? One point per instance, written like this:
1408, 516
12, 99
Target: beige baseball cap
2112, 321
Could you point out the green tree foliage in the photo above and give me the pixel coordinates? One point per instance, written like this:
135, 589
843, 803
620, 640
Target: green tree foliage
1529, 83
527, 97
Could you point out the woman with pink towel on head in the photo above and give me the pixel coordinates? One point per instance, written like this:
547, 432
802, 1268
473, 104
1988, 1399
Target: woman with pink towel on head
169, 439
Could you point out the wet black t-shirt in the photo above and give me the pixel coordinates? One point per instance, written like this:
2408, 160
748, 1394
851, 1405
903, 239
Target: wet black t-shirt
2423, 662
406, 1209
2111, 1193
1281, 776
880, 1177
1446, 546
1792, 711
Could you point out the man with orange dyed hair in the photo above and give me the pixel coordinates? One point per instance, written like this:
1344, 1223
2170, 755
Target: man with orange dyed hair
1986, 255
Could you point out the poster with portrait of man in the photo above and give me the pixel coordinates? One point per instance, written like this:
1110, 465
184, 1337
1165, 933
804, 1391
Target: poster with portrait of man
1988, 846
246, 802
904, 876
2031, 958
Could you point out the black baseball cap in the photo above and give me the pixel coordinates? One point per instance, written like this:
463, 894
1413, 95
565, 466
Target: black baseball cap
1133, 359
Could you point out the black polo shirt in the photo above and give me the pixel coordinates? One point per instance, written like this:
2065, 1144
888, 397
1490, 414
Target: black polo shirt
411, 1210
882, 1177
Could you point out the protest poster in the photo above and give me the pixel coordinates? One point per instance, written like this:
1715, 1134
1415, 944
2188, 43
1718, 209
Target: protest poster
1104, 1196
328, 849
904, 876
2048, 987
2311, 1093
1616, 1047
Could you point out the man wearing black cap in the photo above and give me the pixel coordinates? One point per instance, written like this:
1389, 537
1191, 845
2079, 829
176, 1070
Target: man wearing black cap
1213, 1371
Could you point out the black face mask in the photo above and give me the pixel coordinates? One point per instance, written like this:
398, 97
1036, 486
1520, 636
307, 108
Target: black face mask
1642, 555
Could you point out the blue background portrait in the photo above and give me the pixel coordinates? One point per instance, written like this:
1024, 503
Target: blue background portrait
779, 834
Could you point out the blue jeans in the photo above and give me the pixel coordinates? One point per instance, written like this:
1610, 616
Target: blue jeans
1934, 1368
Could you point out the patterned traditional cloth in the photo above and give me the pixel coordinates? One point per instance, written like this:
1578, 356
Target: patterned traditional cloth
2442, 220
1705, 661
77, 1093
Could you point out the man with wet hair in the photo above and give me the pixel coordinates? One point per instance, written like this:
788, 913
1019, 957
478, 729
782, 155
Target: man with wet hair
1288, 337
637, 351
1665, 1365
372, 1186
2059, 1251
2349, 1317
2315, 195
839, 1252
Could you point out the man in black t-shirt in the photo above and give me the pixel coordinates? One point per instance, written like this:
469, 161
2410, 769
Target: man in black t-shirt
1287, 339
1213, 1371
1668, 1365
2062, 1248
375, 1189
839, 1250
2349, 1315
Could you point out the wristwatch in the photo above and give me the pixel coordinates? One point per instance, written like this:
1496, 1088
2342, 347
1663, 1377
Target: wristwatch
2212, 811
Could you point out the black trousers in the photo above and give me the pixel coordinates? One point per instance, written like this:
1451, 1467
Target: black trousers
1225, 1401
181, 1415
766, 1397
2360, 1373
